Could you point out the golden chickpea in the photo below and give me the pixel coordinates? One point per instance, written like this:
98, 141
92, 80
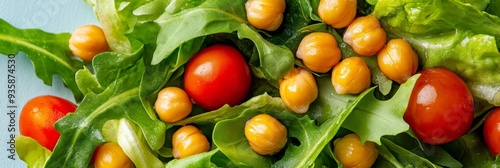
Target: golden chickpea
265, 14
111, 155
298, 90
397, 60
87, 41
319, 51
351, 76
173, 104
352, 154
187, 141
265, 134
337, 13
365, 35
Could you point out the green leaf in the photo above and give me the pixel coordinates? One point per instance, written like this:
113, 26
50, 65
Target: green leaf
405, 157
306, 139
112, 25
471, 151
87, 82
198, 160
132, 141
433, 153
213, 17
299, 14
31, 152
493, 8
374, 118
81, 131
328, 104
48, 52
443, 37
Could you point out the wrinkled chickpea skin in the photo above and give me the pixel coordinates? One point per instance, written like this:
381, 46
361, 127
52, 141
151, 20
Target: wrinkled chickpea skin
298, 89
365, 35
319, 51
353, 154
173, 104
87, 41
337, 13
187, 141
111, 155
351, 76
397, 60
265, 134
265, 14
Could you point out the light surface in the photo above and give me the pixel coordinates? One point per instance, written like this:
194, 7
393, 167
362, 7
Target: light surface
55, 16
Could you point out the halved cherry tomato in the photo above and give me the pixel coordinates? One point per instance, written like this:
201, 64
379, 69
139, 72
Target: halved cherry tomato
39, 115
216, 76
491, 131
441, 108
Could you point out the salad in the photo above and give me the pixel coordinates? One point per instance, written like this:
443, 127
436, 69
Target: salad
152, 42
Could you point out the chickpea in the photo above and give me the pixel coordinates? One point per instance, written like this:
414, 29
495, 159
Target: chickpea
365, 35
173, 104
351, 153
397, 60
265, 14
337, 13
319, 51
351, 76
88, 41
187, 141
265, 134
111, 155
298, 90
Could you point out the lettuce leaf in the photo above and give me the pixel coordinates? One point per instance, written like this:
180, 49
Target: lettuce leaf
31, 152
465, 42
133, 143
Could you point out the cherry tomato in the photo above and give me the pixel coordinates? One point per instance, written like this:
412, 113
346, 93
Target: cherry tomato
217, 75
491, 131
441, 108
39, 115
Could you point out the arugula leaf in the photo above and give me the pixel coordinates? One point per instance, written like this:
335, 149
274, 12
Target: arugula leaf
433, 153
405, 157
301, 130
198, 160
81, 132
298, 14
375, 118
31, 152
465, 42
471, 151
212, 17
48, 52
328, 103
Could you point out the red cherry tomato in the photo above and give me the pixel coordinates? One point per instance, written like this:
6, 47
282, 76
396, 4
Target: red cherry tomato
491, 131
217, 75
441, 108
39, 115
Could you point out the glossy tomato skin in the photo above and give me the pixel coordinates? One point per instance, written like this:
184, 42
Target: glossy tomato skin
38, 116
217, 75
491, 131
441, 107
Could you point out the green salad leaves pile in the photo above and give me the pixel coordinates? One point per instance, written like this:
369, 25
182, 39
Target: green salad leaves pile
152, 40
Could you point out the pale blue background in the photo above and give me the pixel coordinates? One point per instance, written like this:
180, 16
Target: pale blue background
49, 15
